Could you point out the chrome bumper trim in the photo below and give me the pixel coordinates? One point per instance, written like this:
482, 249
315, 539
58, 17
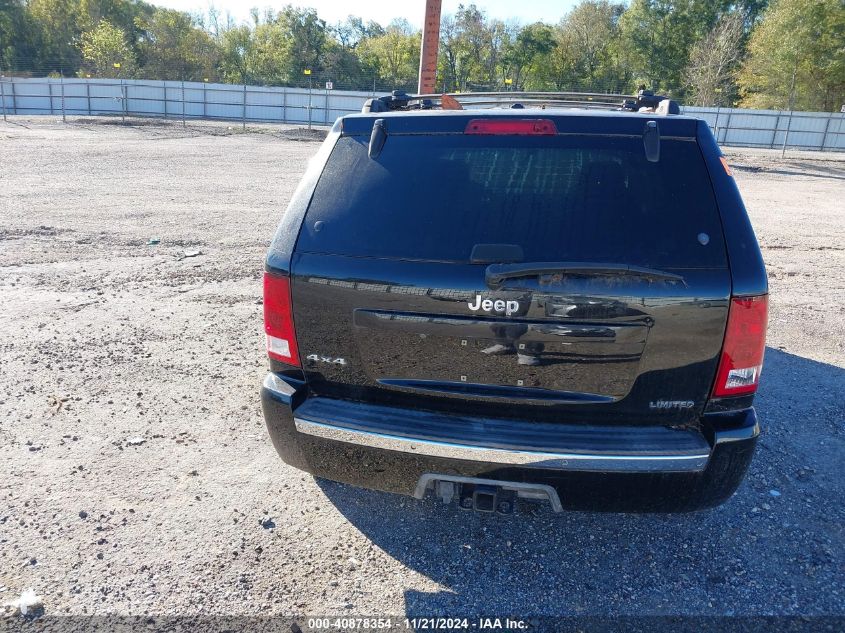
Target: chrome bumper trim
278, 386
741, 434
532, 459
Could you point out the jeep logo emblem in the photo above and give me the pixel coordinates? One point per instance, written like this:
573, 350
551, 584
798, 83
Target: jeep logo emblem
498, 305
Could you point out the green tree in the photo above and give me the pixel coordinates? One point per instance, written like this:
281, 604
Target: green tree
710, 75
353, 30
272, 60
796, 57
216, 23
18, 36
526, 57
476, 36
500, 35
306, 36
345, 68
127, 15
563, 68
58, 23
238, 54
584, 56
452, 55
395, 55
173, 47
106, 52
471, 49
590, 29
341, 62
661, 34
56, 28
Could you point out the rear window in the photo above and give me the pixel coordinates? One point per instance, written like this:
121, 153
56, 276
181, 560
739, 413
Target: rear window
562, 198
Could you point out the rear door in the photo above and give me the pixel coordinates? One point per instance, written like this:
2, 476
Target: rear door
559, 278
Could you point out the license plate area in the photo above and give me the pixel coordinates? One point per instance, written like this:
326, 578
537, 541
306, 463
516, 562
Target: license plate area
484, 495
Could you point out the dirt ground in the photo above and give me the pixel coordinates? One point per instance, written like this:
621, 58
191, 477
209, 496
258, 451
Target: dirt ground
136, 476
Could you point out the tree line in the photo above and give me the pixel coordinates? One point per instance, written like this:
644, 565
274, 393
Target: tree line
755, 53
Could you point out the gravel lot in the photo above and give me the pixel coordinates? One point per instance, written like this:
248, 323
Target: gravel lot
136, 476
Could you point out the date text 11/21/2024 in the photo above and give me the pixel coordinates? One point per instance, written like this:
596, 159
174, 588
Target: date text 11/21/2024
417, 624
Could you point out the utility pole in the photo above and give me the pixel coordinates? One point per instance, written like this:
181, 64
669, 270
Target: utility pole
428, 50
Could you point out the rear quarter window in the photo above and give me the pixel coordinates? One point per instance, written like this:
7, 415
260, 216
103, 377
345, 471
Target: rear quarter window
561, 198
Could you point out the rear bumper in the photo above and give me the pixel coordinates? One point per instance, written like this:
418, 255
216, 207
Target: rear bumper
618, 469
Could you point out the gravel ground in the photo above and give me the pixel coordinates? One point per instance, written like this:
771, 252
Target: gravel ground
136, 476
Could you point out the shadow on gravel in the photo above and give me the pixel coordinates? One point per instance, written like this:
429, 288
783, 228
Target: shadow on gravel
768, 550
831, 174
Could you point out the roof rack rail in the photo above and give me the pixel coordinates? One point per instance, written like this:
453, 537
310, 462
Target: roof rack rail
644, 100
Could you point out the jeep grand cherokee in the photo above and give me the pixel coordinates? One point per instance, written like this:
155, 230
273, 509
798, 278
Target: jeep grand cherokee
559, 304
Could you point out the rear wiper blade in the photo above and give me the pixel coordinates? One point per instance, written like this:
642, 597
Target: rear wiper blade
496, 274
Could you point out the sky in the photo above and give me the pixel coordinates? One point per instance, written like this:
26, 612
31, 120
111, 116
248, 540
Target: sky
383, 11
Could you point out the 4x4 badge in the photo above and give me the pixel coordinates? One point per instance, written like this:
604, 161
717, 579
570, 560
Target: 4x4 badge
498, 305
317, 358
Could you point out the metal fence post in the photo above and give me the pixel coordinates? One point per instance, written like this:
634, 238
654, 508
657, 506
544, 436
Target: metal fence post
50, 92
88, 95
775, 132
786, 136
243, 115
14, 99
309, 102
204, 98
183, 104
791, 108
122, 102
3, 97
826, 128
64, 117
284, 105
326, 112
726, 127
716, 125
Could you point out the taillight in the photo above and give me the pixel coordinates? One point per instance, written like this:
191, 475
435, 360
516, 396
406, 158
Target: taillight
745, 343
531, 127
278, 320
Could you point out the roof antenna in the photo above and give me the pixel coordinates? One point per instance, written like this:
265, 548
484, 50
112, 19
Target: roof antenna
377, 138
651, 141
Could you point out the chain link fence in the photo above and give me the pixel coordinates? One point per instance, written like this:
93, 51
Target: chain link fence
322, 104
774, 129
319, 105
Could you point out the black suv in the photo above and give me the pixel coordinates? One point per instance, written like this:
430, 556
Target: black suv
547, 303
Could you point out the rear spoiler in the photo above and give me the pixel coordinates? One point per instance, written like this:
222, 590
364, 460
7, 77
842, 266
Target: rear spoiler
571, 122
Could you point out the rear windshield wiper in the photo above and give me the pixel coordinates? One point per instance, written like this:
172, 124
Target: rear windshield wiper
496, 274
